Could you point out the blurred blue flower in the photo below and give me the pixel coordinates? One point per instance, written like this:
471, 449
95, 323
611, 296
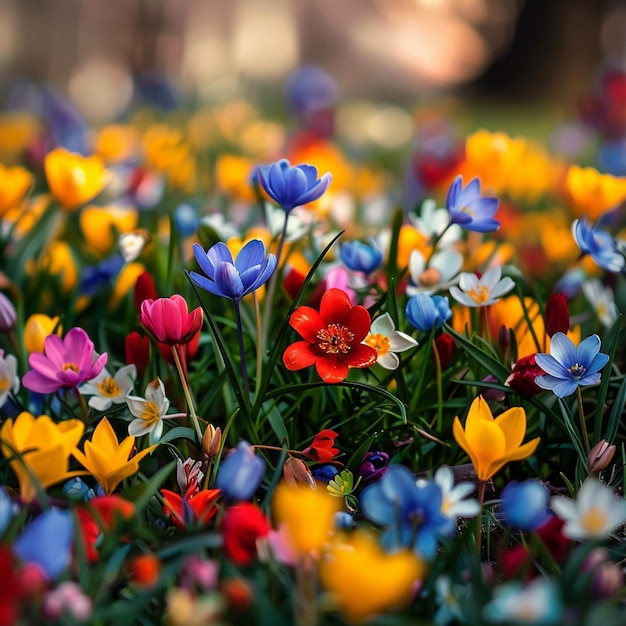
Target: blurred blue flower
8, 509
359, 257
571, 282
599, 244
233, 279
97, 277
426, 312
525, 504
569, 366
186, 219
47, 542
77, 489
240, 473
310, 88
324, 473
469, 209
411, 511
292, 186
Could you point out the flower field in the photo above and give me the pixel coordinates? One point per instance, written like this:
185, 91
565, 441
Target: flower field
251, 374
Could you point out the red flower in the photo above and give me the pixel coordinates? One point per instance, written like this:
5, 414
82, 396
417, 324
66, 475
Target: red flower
242, 525
332, 338
556, 314
200, 507
169, 320
321, 449
446, 347
145, 289
522, 379
137, 350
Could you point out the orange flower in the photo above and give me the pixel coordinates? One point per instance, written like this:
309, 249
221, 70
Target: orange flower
100, 224
594, 193
74, 179
14, 184
115, 143
37, 328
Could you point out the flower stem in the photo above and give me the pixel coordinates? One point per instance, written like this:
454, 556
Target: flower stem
84, 410
439, 387
480, 496
305, 609
260, 349
183, 381
583, 423
242, 351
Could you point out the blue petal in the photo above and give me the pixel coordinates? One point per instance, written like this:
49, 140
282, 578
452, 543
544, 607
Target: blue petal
453, 193
551, 366
470, 192
590, 378
376, 507
253, 253
587, 350
219, 253
563, 350
228, 280
565, 388
203, 260
207, 284
599, 361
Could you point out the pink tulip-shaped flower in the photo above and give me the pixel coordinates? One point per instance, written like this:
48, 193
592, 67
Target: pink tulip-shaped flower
64, 364
169, 320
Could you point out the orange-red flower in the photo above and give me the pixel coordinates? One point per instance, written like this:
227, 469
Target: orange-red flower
321, 449
331, 338
200, 507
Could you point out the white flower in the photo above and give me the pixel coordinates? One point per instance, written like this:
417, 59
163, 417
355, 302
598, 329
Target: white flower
602, 300
595, 513
484, 291
442, 268
9, 380
300, 221
432, 222
386, 340
225, 230
150, 411
455, 502
107, 390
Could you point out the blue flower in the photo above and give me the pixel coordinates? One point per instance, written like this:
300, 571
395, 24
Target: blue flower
8, 509
568, 366
186, 219
47, 542
599, 244
426, 312
468, 209
525, 504
241, 473
359, 257
292, 186
233, 279
410, 510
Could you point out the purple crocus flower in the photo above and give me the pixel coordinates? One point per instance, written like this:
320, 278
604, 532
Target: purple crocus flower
373, 467
47, 542
410, 510
569, 366
233, 279
292, 186
65, 363
240, 473
469, 209
598, 244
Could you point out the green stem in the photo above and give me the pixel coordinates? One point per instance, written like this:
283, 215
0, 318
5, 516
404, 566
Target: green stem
439, 387
190, 404
260, 349
242, 352
84, 409
583, 423
480, 496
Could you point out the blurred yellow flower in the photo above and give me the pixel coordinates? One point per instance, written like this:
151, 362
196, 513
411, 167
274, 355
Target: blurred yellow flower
17, 132
44, 449
126, 282
307, 515
100, 225
410, 239
26, 215
73, 178
116, 143
492, 443
593, 193
364, 580
232, 177
38, 326
59, 261
107, 460
14, 185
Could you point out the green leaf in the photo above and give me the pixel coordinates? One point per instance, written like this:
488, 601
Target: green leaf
179, 432
152, 486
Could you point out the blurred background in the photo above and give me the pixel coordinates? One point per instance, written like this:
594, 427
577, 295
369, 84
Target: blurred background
508, 52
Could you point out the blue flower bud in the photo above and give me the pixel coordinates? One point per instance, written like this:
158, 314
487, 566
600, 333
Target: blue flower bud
426, 312
525, 504
359, 257
240, 473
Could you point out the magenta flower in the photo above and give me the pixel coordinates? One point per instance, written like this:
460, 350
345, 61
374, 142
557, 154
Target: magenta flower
65, 363
170, 321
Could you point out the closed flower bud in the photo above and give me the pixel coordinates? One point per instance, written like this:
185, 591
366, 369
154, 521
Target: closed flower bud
296, 472
600, 456
37, 328
240, 473
556, 314
211, 440
607, 576
522, 378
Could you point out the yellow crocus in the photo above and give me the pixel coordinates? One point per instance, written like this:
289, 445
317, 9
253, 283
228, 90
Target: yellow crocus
594, 193
492, 443
106, 459
307, 515
38, 326
14, 184
100, 225
125, 282
74, 179
364, 580
59, 261
44, 449
232, 177
116, 142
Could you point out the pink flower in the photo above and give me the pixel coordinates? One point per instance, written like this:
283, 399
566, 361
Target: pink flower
169, 320
64, 364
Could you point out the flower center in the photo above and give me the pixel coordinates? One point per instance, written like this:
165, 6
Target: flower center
430, 277
593, 520
150, 415
70, 366
467, 210
480, 294
379, 342
4, 384
335, 339
577, 370
108, 387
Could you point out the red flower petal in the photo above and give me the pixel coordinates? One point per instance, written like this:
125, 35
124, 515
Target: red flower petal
335, 307
331, 368
203, 504
299, 355
359, 321
307, 322
360, 356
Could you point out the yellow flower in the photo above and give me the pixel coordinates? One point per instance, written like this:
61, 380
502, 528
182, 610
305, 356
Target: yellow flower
59, 261
38, 326
74, 179
307, 515
366, 581
106, 459
594, 193
101, 224
125, 282
115, 143
14, 184
492, 443
44, 448
410, 239
17, 132
232, 177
